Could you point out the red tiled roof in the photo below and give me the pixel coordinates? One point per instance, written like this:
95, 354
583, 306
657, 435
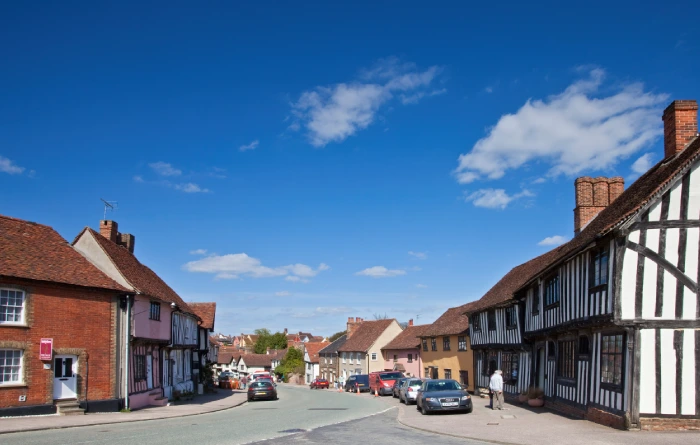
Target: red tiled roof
205, 311
408, 339
452, 322
257, 360
313, 348
365, 335
37, 252
142, 278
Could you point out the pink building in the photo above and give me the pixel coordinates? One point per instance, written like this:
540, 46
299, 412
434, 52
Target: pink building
403, 352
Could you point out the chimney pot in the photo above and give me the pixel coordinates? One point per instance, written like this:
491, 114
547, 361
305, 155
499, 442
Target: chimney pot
410, 322
680, 125
108, 229
350, 319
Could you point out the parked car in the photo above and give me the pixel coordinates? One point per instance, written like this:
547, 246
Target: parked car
443, 395
409, 390
395, 388
383, 381
319, 384
264, 379
354, 382
262, 390
257, 375
225, 376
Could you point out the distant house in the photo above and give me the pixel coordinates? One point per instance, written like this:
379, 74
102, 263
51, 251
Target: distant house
163, 328
251, 363
207, 313
213, 354
445, 348
227, 361
329, 363
311, 359
403, 352
361, 353
276, 357
58, 313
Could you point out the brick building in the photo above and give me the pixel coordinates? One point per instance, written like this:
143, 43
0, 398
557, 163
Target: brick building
54, 299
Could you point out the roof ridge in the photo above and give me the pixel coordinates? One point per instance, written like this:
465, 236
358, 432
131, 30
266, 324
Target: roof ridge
26, 221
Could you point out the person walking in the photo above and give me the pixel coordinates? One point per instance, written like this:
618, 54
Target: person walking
244, 380
496, 388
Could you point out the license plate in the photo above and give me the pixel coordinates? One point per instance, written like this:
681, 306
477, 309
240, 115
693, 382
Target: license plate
450, 404
262, 393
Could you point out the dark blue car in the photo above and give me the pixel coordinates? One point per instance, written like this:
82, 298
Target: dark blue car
443, 395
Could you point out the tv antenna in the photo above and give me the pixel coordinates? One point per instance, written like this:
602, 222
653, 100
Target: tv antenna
109, 205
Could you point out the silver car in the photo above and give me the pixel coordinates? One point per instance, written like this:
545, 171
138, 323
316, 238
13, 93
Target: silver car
409, 390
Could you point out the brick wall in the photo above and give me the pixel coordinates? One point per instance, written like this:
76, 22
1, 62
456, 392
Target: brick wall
680, 125
605, 418
659, 424
592, 196
81, 322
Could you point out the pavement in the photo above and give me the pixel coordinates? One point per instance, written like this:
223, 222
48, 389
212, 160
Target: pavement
201, 404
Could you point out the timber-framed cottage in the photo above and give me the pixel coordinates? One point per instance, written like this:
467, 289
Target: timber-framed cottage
608, 324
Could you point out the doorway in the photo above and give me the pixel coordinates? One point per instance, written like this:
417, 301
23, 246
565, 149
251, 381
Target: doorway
540, 367
65, 377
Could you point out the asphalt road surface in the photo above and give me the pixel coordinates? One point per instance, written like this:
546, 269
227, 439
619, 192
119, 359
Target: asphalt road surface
300, 415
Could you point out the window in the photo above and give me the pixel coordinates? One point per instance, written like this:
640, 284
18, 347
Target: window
584, 347
11, 366
536, 300
599, 268
426, 372
448, 373
445, 343
492, 320
611, 360
330, 359
139, 367
551, 291
490, 363
551, 350
461, 343
510, 362
396, 358
433, 344
343, 357
11, 306
476, 322
425, 344
464, 378
155, 311
565, 364
374, 357
511, 320
410, 358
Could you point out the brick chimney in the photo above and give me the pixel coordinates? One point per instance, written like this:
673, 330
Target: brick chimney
353, 324
592, 196
127, 240
680, 125
410, 322
108, 229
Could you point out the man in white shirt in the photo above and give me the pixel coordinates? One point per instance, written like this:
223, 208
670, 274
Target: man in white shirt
496, 387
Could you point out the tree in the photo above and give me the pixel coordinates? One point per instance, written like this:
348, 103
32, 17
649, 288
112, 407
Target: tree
336, 336
293, 362
267, 340
378, 316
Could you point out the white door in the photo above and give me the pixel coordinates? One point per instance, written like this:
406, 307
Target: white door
65, 377
149, 371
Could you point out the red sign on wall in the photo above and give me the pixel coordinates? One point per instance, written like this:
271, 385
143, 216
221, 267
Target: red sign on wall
45, 349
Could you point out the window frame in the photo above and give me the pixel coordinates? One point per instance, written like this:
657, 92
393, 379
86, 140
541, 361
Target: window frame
396, 358
536, 300
461, 343
448, 373
566, 359
424, 342
23, 307
154, 312
486, 362
552, 283
510, 361
511, 315
617, 387
373, 357
475, 321
446, 343
410, 358
140, 367
433, 344
491, 319
595, 266
343, 357
20, 368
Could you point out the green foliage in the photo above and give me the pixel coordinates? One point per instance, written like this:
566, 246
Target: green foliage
293, 362
336, 336
268, 340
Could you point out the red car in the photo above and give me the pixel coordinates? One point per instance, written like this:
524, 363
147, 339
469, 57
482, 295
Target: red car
319, 383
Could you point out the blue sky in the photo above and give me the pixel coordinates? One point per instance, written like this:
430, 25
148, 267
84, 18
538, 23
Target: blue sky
305, 163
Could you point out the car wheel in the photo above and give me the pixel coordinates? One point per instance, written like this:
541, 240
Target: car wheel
469, 410
401, 400
424, 411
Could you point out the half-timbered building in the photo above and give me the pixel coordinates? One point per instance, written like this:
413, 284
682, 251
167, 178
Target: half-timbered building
611, 319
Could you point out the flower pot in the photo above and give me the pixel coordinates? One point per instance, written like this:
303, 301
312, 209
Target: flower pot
522, 398
535, 402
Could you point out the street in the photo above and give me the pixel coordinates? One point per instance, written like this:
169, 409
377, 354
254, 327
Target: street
297, 411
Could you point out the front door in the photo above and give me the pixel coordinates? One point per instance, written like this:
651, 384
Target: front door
65, 377
540, 365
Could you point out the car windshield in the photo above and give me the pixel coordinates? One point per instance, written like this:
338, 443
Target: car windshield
390, 376
444, 385
414, 383
260, 385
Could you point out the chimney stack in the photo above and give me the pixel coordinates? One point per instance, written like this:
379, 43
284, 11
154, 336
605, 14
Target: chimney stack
592, 196
680, 125
353, 324
108, 229
410, 322
126, 240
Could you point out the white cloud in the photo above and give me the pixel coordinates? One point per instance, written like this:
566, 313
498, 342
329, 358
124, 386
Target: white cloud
574, 131
236, 265
198, 252
421, 286
252, 146
191, 188
7, 166
283, 293
419, 255
644, 163
138, 178
494, 198
539, 181
488, 90
333, 113
295, 279
164, 169
381, 272
555, 240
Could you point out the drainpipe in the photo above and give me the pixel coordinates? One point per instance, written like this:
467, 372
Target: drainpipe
126, 359
87, 380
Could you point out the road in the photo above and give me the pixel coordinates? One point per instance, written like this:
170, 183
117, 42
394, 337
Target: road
300, 414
